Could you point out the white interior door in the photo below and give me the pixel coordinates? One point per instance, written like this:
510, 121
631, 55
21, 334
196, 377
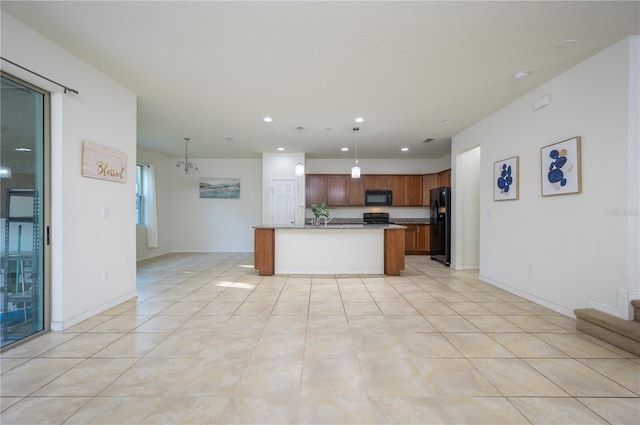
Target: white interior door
283, 202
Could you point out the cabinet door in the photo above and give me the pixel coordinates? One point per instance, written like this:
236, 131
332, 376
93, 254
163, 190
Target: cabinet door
370, 182
429, 181
355, 192
316, 189
398, 190
444, 178
336, 190
413, 190
410, 239
384, 182
423, 238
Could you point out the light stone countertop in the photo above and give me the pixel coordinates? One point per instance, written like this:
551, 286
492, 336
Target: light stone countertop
332, 226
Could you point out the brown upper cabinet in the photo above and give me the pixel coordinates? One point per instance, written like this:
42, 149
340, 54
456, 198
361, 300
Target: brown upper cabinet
336, 190
377, 182
340, 190
316, 189
444, 178
407, 191
429, 181
355, 192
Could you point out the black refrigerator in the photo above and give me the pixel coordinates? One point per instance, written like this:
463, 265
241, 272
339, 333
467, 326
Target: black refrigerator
441, 225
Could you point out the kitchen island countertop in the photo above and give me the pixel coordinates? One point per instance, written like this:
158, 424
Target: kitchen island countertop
337, 226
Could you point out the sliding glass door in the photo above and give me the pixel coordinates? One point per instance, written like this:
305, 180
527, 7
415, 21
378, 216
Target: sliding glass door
24, 112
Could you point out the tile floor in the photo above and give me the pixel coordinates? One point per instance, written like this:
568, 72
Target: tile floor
209, 341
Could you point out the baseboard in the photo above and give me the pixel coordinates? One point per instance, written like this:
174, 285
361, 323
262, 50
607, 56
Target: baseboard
557, 308
606, 309
60, 325
236, 251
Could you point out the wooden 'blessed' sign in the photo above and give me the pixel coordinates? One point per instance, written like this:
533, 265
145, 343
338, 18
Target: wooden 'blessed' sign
101, 162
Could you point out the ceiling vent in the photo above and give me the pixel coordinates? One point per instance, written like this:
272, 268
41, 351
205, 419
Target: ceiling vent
428, 140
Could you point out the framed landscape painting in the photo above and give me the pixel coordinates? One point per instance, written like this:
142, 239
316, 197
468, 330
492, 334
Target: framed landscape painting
561, 168
506, 179
218, 188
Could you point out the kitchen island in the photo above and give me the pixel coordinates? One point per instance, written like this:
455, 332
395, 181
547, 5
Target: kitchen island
332, 249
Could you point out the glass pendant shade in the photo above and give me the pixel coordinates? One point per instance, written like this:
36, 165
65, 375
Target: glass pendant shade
299, 169
355, 171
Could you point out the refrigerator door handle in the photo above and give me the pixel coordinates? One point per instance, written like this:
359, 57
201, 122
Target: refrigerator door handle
434, 218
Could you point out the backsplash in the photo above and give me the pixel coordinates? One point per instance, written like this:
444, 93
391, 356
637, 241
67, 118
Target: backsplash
394, 212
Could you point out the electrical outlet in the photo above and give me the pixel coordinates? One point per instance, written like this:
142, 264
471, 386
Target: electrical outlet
105, 275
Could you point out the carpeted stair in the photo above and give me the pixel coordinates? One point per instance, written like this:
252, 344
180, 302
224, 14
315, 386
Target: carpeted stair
624, 334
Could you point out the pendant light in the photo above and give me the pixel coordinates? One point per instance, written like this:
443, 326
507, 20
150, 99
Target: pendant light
355, 170
299, 170
187, 165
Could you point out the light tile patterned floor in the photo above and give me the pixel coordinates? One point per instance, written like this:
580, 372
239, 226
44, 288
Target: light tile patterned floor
208, 341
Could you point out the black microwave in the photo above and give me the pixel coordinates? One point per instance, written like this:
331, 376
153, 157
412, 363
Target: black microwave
378, 198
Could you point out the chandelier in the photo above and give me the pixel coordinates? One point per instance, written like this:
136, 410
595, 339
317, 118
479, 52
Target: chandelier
187, 165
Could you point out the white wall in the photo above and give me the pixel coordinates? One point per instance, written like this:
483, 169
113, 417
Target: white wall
466, 194
569, 251
83, 243
164, 167
216, 225
379, 166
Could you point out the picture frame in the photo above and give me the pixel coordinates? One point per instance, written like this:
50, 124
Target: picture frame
561, 168
506, 179
219, 188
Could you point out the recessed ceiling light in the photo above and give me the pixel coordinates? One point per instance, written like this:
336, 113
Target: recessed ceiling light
520, 75
267, 119
359, 119
447, 120
404, 149
280, 149
22, 150
344, 149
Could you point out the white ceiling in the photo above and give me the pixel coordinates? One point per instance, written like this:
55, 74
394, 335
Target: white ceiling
208, 69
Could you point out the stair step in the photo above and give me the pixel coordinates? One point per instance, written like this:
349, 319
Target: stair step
624, 334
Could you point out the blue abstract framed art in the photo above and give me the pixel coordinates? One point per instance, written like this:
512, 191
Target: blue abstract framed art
561, 168
217, 188
506, 179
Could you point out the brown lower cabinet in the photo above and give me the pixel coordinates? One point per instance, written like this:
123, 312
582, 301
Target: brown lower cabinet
264, 251
416, 239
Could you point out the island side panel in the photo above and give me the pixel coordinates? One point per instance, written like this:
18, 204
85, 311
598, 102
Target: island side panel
329, 251
264, 251
393, 251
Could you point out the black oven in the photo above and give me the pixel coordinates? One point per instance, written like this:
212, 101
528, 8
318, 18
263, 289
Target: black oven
377, 198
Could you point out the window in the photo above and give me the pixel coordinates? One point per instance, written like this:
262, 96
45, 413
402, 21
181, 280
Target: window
139, 195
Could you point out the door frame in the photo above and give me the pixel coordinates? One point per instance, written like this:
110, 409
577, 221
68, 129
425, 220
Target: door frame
46, 210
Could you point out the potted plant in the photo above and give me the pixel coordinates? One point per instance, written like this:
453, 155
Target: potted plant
320, 211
